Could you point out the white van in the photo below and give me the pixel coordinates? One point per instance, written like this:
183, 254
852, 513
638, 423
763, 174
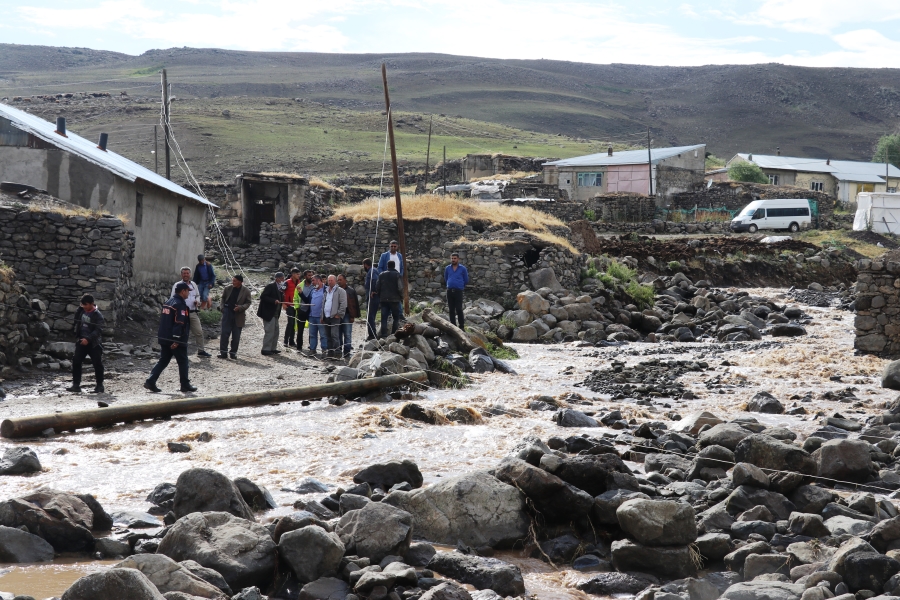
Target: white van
780, 213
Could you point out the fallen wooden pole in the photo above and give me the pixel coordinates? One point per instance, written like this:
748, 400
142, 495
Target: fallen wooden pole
103, 417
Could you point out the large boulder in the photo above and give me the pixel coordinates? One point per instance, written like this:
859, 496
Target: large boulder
746, 497
607, 584
890, 377
843, 460
868, 570
208, 575
326, 588
61, 519
555, 499
545, 278
723, 434
311, 552
838, 562
590, 472
533, 302
569, 417
763, 590
446, 591
658, 522
389, 474
483, 573
205, 490
17, 546
19, 461
376, 530
768, 453
113, 583
256, 496
695, 421
811, 498
242, 551
169, 576
476, 509
764, 402
674, 562
607, 503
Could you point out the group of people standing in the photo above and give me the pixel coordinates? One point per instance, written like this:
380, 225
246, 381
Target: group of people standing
326, 306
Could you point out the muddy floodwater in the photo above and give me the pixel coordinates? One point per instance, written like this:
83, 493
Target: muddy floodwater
277, 445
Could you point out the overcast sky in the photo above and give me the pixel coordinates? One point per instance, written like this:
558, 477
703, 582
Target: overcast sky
820, 33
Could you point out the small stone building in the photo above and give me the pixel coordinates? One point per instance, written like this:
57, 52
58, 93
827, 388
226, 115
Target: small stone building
168, 221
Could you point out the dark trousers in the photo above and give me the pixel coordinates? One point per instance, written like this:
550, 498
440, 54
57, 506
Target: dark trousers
302, 318
371, 312
333, 332
166, 354
455, 306
95, 352
229, 329
394, 310
291, 312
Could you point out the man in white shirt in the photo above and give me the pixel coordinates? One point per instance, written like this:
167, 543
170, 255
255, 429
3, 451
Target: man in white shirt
394, 255
193, 303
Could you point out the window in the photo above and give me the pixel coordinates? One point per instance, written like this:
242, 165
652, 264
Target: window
865, 187
773, 179
590, 179
138, 209
788, 212
178, 223
892, 190
817, 186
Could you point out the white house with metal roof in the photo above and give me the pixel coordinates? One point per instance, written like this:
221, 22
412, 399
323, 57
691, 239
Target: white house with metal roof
169, 221
660, 172
840, 179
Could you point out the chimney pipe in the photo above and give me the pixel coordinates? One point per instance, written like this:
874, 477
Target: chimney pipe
828, 161
778, 151
609, 151
104, 138
61, 126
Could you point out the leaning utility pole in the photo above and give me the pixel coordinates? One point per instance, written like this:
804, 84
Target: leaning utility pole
428, 153
444, 172
165, 96
155, 152
649, 163
400, 234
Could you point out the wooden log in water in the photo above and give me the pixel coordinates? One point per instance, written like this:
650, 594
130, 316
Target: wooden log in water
21, 427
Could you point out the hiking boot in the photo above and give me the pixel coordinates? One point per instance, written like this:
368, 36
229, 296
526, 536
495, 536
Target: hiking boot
75, 389
151, 385
233, 355
188, 388
204, 354
222, 355
99, 389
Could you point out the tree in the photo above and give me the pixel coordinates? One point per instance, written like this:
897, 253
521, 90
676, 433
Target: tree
747, 171
888, 147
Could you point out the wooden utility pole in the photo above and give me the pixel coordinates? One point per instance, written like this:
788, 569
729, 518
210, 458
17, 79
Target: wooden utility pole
155, 152
428, 153
444, 171
649, 163
165, 92
400, 234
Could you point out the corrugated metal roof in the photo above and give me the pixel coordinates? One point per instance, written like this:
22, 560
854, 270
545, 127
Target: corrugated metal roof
628, 157
89, 151
846, 170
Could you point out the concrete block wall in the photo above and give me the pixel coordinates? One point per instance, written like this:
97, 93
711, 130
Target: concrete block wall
878, 305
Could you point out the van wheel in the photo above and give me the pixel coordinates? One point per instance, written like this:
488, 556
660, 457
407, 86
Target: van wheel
794, 228
753, 229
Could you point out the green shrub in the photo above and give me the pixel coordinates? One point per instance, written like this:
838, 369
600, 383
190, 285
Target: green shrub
590, 215
747, 171
501, 352
210, 317
674, 264
607, 280
620, 271
507, 321
642, 295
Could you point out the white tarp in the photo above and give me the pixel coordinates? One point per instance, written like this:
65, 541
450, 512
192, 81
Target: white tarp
877, 212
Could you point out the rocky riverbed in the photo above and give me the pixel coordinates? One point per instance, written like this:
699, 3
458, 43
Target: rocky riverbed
567, 538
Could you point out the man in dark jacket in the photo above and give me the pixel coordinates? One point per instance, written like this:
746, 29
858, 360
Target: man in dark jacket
235, 303
372, 301
88, 325
350, 315
269, 311
205, 278
390, 291
174, 331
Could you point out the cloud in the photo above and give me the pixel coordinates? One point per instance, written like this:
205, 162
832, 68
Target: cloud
818, 16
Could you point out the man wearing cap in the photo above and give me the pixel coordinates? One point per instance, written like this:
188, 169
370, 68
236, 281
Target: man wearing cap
173, 334
235, 303
193, 303
205, 278
394, 255
269, 311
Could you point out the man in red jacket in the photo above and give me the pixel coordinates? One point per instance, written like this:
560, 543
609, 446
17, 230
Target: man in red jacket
291, 327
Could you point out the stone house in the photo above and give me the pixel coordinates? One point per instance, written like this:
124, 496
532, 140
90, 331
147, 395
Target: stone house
168, 221
839, 179
670, 170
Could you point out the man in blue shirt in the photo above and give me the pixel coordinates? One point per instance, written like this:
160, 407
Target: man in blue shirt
456, 277
316, 314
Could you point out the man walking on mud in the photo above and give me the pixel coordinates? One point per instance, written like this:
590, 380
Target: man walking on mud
88, 326
174, 331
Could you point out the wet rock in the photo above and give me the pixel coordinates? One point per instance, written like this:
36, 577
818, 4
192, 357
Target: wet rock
724, 434
607, 584
298, 520
162, 493
808, 524
477, 509
590, 473
134, 519
591, 564
763, 590
419, 554
483, 573
868, 570
695, 421
387, 475
764, 402
375, 531
17, 546
113, 583
169, 576
111, 548
841, 525
846, 460
208, 575
446, 591
658, 522
669, 561
63, 520
768, 453
205, 490
19, 461
551, 496
786, 330
308, 485
256, 496
811, 498
326, 588
178, 447
102, 520
417, 412
569, 417
561, 549
750, 475
745, 497
242, 551
311, 552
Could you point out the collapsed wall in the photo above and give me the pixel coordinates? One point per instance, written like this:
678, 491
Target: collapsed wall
22, 325
878, 305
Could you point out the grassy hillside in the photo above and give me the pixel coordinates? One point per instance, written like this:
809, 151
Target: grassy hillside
490, 104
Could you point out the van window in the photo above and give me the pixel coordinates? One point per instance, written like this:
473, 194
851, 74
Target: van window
748, 210
789, 212
759, 214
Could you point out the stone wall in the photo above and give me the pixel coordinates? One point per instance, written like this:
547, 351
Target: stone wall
537, 189
58, 258
22, 324
735, 195
878, 305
